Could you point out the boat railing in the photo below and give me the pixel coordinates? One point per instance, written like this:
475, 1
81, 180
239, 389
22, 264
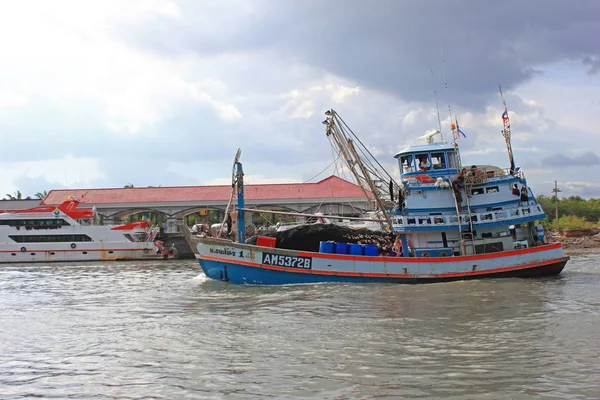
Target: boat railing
403, 222
151, 234
480, 176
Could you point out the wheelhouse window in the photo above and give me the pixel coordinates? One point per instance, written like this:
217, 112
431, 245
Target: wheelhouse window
49, 238
423, 162
406, 163
492, 189
438, 160
451, 163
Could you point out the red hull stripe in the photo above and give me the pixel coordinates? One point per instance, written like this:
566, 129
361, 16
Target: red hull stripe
432, 259
375, 275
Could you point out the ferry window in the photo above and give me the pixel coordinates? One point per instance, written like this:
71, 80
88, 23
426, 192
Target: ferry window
492, 189
49, 238
423, 162
35, 222
451, 159
438, 161
477, 191
407, 163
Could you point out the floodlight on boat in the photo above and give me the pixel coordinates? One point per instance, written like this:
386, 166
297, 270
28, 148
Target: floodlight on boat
326, 122
328, 113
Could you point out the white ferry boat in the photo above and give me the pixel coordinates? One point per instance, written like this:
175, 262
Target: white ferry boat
67, 233
450, 222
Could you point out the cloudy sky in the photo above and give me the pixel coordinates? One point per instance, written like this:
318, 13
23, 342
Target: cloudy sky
158, 92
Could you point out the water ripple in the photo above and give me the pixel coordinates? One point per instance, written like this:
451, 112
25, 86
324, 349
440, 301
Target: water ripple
156, 330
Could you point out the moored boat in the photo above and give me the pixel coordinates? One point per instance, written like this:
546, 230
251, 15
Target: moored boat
448, 222
67, 233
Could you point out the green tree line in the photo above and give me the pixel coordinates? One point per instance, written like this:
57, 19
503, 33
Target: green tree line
574, 212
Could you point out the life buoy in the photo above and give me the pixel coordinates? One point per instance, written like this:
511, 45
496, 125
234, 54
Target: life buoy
146, 251
23, 249
443, 254
424, 254
73, 245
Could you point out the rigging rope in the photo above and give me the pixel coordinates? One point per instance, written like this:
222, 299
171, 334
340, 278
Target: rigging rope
324, 169
378, 174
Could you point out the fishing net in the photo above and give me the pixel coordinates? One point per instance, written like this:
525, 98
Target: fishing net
308, 237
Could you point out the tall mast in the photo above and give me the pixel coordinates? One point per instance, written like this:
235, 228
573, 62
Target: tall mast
506, 133
235, 185
345, 146
446, 84
437, 107
241, 223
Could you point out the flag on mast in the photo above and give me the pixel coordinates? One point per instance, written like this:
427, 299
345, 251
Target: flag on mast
459, 130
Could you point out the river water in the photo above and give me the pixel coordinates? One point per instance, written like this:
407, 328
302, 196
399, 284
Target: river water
161, 330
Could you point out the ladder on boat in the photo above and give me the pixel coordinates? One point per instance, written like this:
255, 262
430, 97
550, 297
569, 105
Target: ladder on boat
467, 237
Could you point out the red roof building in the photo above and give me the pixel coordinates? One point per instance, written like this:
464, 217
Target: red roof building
332, 189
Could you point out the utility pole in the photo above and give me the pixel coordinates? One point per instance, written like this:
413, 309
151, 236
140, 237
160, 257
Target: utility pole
556, 190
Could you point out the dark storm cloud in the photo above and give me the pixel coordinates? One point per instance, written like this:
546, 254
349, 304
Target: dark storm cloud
391, 45
587, 159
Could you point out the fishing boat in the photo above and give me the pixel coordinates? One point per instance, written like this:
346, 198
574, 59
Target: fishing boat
68, 233
449, 223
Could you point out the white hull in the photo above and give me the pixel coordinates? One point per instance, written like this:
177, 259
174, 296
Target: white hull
41, 252
65, 233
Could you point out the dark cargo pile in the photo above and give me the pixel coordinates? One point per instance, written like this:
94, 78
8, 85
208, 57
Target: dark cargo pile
308, 237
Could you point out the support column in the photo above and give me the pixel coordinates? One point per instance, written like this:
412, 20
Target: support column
172, 224
404, 245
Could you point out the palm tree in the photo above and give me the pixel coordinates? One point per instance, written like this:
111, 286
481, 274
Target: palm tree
16, 196
41, 195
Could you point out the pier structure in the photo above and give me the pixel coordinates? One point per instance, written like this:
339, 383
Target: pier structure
331, 196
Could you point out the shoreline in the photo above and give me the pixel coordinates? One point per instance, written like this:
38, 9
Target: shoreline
584, 243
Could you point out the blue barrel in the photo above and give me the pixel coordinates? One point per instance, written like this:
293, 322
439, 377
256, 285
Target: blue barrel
540, 233
326, 247
341, 248
371, 250
356, 249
